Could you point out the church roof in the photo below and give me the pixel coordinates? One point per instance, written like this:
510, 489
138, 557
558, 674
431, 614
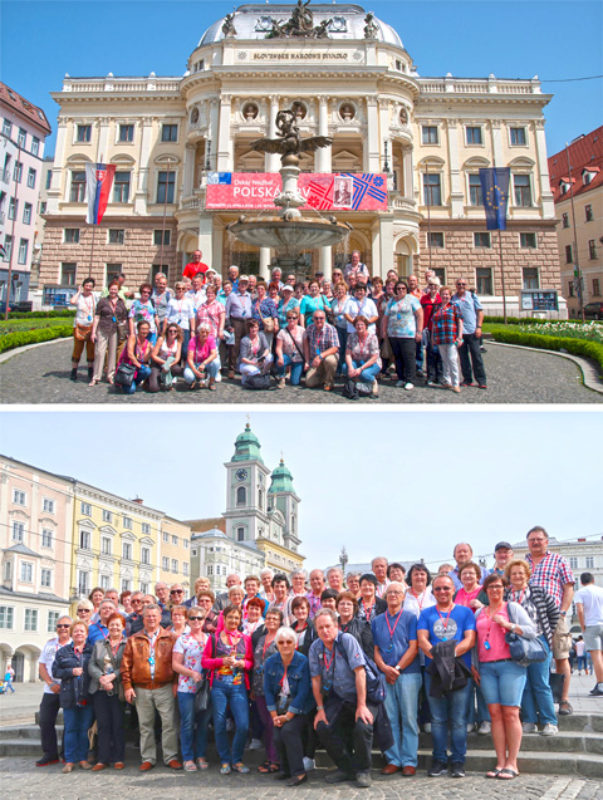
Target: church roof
281, 480
254, 21
247, 446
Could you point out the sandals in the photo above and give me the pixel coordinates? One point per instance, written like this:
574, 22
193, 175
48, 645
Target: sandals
494, 773
240, 768
202, 763
269, 767
507, 774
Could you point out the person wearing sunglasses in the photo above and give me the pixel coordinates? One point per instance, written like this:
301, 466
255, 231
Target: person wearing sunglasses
402, 323
447, 622
143, 310
470, 355
49, 707
186, 661
165, 359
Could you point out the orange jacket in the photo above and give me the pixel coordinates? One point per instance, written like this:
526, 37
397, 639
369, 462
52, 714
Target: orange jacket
135, 668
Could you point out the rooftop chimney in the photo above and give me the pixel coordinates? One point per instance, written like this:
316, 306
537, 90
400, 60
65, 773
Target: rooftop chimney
138, 500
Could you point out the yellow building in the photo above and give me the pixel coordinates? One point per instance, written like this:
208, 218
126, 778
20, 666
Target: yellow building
174, 563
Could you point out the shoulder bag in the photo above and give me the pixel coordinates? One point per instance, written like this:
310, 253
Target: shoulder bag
524, 651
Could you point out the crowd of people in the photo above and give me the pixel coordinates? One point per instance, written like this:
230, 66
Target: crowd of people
348, 663
354, 328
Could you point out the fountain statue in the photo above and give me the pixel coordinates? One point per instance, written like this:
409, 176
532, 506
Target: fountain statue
289, 230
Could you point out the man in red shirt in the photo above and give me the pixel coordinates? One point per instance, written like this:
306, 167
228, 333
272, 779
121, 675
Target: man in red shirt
195, 266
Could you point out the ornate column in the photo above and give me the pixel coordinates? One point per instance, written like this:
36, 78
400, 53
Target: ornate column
385, 135
224, 137
272, 161
323, 155
371, 150
140, 198
59, 172
497, 156
189, 170
548, 207
103, 138
407, 168
265, 263
212, 137
457, 195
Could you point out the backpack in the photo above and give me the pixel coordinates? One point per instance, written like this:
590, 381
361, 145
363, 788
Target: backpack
375, 679
350, 389
258, 381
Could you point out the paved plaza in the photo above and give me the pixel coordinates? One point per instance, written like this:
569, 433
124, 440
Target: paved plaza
515, 375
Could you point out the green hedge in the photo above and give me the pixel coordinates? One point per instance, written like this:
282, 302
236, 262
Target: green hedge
521, 320
21, 338
15, 325
40, 314
577, 347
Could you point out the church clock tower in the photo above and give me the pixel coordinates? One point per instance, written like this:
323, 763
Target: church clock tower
246, 514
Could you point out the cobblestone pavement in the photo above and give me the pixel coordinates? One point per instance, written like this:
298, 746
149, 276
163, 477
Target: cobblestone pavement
23, 781
41, 375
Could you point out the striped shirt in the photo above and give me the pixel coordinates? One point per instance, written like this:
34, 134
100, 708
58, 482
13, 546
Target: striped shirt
323, 340
552, 573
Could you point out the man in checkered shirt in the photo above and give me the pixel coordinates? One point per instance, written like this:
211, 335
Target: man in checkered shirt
553, 573
321, 345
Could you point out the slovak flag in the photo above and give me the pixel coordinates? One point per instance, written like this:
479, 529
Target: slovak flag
99, 179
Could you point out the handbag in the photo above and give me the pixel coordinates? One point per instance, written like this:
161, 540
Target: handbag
82, 332
268, 322
524, 651
303, 358
202, 695
124, 374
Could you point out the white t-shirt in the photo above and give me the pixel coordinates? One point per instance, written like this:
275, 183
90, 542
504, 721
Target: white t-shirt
84, 310
591, 597
47, 659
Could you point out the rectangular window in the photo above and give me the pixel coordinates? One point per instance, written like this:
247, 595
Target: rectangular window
590, 562
527, 240
84, 539
106, 546
31, 178
47, 537
42, 206
18, 497
26, 572
165, 563
126, 585
7, 617
484, 280
85, 508
185, 568
165, 537
160, 235
523, 192
7, 128
432, 191
17, 172
104, 582
84, 133
441, 274
165, 187
107, 516
475, 191
46, 578
121, 187
518, 136
53, 618
127, 523
185, 543
565, 220
48, 178
175, 540
481, 239
145, 555
83, 583
126, 551
210, 570
126, 133
194, 551
240, 534
116, 236
8, 246
23, 250
35, 145
22, 138
435, 239
68, 273
31, 619
530, 278
77, 192
13, 205
596, 287
169, 133
568, 254
48, 505
573, 562
145, 528
18, 531
174, 565
570, 289
429, 134
592, 249
588, 213
474, 134
27, 214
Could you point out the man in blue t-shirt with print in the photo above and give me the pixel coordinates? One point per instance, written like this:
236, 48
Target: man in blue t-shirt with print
440, 623
396, 655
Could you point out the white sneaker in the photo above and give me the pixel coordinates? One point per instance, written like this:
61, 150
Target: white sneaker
485, 728
255, 744
529, 727
470, 727
399, 384
309, 764
427, 727
219, 377
549, 730
409, 386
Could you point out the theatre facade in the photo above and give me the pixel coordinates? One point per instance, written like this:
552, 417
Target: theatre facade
416, 143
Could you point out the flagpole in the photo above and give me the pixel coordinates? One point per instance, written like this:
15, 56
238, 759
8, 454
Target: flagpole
502, 276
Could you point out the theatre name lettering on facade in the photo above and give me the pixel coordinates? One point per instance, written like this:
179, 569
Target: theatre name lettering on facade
349, 77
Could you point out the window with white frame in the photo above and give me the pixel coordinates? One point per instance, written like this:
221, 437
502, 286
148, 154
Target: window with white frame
588, 213
7, 618
573, 562
530, 278
481, 239
429, 134
19, 497
165, 563
121, 187
592, 249
31, 178
22, 138
48, 505
475, 190
144, 587
161, 236
210, 570
127, 523
185, 568
18, 171
126, 585
47, 538
27, 209
145, 555
126, 551
145, 528
84, 133
107, 516
46, 578
68, 269
106, 545
175, 540
174, 565
13, 207
26, 572
116, 236
185, 543
194, 551
77, 190
473, 134
84, 539
86, 509
165, 536
435, 239
522, 191
31, 619
23, 251
528, 240
18, 531
35, 145
53, 618
483, 278
169, 133
126, 133
518, 137
104, 582
7, 128
432, 189
590, 562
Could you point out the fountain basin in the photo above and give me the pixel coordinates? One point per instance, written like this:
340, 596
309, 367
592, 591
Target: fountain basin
295, 234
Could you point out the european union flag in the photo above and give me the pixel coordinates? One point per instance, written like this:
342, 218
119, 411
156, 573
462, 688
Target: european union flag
495, 195
217, 178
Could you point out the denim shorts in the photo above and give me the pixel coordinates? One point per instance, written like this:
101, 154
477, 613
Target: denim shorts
502, 682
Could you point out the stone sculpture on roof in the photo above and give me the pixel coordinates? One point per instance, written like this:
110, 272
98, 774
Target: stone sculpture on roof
301, 25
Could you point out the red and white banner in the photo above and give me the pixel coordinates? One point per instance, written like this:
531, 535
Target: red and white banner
324, 191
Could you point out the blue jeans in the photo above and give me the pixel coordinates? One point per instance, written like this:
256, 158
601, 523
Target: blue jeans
75, 736
343, 340
401, 705
297, 368
537, 700
211, 369
367, 375
502, 682
448, 711
224, 694
482, 714
142, 374
193, 727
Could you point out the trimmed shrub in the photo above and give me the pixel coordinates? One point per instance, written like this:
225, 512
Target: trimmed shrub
14, 325
20, 338
41, 314
577, 347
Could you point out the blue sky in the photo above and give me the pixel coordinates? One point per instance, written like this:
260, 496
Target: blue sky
42, 40
403, 485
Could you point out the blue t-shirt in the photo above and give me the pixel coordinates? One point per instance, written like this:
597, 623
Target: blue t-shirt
442, 628
401, 322
392, 648
468, 306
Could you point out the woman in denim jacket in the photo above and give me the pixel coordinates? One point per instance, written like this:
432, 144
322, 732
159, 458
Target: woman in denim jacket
289, 699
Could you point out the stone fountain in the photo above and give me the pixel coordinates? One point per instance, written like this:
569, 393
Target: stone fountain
287, 229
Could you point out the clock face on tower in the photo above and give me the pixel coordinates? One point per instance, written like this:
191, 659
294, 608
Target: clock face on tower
241, 474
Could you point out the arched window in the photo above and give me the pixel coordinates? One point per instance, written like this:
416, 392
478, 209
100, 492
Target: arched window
241, 496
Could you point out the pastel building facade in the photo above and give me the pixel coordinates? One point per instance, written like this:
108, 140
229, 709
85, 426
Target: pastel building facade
358, 85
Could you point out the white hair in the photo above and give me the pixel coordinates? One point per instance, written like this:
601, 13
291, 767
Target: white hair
284, 632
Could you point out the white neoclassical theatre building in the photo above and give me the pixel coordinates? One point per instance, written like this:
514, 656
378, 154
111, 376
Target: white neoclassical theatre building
348, 76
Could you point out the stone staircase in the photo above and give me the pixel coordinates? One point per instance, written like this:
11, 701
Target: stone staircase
577, 749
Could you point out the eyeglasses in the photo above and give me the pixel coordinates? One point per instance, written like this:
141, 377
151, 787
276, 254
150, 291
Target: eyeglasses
63, 626
461, 284
177, 591
442, 588
495, 586
196, 619
83, 611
